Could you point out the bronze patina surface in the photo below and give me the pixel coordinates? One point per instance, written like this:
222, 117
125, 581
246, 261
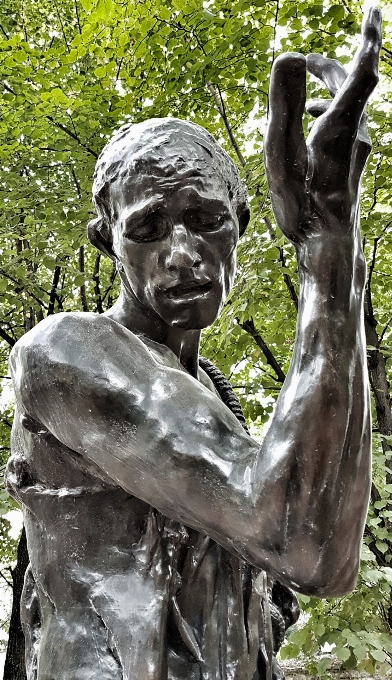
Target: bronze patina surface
150, 511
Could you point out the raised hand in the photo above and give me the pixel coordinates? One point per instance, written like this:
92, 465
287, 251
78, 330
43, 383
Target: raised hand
314, 183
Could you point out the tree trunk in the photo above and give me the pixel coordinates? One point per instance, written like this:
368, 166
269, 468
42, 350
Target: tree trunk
14, 668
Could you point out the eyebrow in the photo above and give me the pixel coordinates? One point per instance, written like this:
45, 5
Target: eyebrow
142, 209
201, 199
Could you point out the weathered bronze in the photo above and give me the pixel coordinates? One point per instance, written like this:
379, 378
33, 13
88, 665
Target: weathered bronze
149, 509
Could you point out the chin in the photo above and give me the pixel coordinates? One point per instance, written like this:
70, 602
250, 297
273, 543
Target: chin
194, 319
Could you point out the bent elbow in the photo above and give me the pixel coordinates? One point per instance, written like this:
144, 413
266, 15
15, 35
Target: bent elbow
331, 585
328, 579
314, 572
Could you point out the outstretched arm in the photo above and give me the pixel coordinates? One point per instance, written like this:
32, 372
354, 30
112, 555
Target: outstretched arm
295, 507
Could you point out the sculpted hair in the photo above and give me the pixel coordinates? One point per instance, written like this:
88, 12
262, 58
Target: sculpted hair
140, 147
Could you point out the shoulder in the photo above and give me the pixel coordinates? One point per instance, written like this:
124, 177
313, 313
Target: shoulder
61, 338
56, 326
66, 328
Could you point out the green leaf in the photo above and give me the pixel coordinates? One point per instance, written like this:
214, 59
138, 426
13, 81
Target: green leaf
343, 653
100, 72
323, 665
378, 655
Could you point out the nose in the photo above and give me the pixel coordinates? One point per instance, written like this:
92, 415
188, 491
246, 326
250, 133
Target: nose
182, 252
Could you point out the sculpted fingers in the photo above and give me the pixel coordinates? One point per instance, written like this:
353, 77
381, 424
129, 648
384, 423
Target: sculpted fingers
340, 135
361, 150
371, 39
331, 72
350, 100
316, 108
284, 145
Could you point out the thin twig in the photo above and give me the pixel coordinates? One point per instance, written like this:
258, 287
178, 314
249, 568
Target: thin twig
220, 105
62, 27
53, 290
4, 335
9, 89
82, 288
4, 32
275, 26
249, 327
71, 134
373, 262
286, 277
77, 16
77, 185
6, 580
384, 331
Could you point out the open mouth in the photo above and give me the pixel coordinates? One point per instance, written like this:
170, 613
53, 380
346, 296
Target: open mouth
188, 290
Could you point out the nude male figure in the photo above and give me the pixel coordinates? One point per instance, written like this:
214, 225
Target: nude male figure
148, 508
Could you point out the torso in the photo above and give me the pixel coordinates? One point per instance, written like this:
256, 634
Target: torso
115, 589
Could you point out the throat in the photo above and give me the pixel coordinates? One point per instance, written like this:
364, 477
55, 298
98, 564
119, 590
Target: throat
184, 343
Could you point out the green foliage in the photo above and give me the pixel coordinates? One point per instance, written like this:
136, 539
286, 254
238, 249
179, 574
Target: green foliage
75, 70
354, 626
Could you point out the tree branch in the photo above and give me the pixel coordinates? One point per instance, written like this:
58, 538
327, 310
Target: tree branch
4, 335
217, 96
68, 132
6, 580
373, 262
97, 288
75, 179
53, 290
83, 296
384, 331
9, 89
60, 126
249, 327
62, 27
113, 275
4, 32
275, 27
286, 277
77, 17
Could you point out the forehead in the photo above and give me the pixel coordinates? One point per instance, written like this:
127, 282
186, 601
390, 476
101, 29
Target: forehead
168, 166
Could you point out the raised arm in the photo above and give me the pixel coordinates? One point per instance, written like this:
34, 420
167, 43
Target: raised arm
322, 420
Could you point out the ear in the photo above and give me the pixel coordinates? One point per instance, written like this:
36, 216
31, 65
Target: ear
99, 235
243, 214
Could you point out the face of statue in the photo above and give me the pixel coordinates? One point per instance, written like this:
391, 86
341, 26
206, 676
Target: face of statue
175, 234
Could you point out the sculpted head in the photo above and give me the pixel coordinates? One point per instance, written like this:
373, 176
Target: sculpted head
171, 207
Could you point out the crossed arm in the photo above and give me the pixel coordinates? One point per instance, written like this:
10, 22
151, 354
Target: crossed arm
295, 506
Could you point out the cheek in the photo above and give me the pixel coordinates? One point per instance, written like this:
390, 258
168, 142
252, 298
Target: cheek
141, 265
229, 273
227, 257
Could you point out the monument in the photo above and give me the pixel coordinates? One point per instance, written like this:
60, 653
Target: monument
158, 529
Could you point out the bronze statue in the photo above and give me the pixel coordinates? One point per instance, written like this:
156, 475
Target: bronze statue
149, 509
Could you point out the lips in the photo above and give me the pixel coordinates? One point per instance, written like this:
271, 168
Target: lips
188, 290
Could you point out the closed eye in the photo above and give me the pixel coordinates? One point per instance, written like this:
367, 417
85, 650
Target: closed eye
154, 227
202, 220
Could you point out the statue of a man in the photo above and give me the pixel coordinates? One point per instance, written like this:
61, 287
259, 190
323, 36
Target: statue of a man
149, 509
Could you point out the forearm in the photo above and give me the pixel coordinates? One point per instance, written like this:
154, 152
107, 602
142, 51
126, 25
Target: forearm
316, 454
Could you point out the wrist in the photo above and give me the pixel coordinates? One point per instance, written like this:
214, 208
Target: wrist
332, 263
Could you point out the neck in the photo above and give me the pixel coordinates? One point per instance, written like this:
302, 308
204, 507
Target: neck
128, 312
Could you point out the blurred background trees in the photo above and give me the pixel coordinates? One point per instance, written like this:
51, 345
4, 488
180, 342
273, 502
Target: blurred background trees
71, 72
